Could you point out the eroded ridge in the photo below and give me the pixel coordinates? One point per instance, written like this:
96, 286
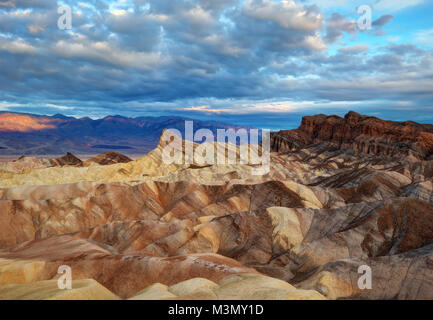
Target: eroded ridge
341, 193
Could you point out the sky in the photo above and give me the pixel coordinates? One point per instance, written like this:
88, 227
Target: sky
262, 63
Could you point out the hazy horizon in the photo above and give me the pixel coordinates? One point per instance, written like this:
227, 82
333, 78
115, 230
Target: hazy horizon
291, 121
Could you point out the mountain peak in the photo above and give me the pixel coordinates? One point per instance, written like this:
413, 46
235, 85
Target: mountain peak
61, 116
353, 115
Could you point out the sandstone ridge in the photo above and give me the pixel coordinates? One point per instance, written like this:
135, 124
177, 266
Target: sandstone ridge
364, 134
147, 230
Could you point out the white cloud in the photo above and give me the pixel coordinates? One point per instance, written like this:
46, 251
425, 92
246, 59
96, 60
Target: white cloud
198, 16
248, 107
104, 51
35, 28
209, 109
17, 47
358, 48
314, 42
118, 12
424, 36
285, 13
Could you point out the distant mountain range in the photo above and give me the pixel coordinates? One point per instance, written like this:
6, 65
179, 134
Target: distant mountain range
29, 134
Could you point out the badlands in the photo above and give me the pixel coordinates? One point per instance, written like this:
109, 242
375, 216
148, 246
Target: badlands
341, 193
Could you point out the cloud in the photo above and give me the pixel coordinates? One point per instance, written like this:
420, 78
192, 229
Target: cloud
424, 36
209, 109
359, 48
383, 20
40, 4
17, 47
285, 13
8, 3
103, 51
337, 25
218, 58
247, 107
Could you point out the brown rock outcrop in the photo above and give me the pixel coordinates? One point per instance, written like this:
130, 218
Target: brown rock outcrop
365, 134
108, 158
67, 160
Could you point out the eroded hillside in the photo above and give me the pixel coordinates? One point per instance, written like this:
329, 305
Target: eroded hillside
147, 230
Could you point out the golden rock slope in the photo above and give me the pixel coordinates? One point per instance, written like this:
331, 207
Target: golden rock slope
147, 230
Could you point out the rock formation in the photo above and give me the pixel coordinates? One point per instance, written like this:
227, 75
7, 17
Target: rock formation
23, 164
108, 158
144, 229
365, 134
67, 160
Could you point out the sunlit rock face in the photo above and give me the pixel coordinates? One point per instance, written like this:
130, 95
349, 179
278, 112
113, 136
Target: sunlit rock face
363, 134
341, 193
13, 122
